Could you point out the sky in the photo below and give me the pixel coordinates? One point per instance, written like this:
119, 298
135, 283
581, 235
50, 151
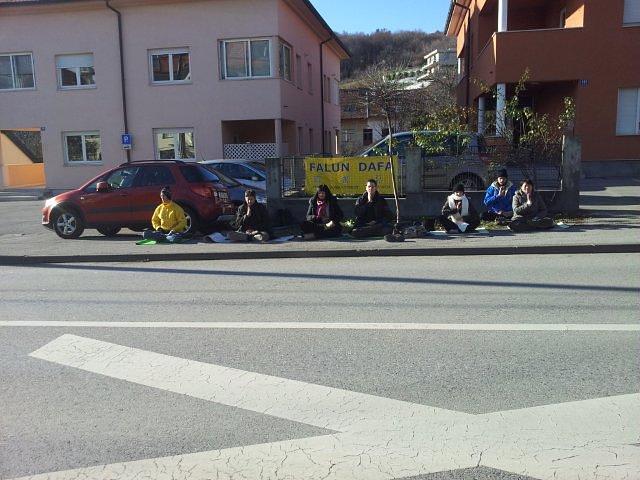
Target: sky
369, 15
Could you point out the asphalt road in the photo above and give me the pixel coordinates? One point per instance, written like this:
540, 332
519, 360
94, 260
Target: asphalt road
98, 397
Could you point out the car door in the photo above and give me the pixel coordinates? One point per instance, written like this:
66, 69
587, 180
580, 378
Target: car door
145, 194
112, 207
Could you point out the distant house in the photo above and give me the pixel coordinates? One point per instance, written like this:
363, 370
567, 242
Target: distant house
201, 79
587, 50
434, 62
361, 124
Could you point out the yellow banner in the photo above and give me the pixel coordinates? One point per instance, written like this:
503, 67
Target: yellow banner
349, 175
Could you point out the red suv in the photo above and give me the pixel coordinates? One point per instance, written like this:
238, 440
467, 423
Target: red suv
126, 196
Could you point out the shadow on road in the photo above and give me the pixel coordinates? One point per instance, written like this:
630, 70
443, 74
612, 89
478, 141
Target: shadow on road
352, 278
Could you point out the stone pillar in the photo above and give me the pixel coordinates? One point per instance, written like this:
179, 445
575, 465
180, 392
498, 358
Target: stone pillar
503, 15
413, 170
481, 109
501, 100
571, 167
274, 178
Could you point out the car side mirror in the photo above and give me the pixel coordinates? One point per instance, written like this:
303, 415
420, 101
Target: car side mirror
102, 187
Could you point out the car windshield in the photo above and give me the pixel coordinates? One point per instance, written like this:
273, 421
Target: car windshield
227, 181
197, 174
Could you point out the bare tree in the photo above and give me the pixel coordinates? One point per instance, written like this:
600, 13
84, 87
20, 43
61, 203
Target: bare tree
386, 95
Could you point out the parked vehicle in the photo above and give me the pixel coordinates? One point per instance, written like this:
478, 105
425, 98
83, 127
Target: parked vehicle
461, 159
127, 195
236, 189
251, 174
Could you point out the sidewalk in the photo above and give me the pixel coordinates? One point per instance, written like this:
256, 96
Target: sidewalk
613, 226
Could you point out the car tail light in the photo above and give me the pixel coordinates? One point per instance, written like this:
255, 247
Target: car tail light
203, 190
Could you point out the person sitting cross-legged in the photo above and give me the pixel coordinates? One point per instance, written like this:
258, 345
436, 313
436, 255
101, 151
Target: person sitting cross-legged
323, 216
168, 220
529, 210
373, 217
498, 199
252, 221
458, 214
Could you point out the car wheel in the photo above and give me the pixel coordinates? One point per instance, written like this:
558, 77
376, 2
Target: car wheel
192, 221
109, 231
470, 181
67, 224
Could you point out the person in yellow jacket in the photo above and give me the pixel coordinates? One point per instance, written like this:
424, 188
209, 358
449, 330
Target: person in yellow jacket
168, 220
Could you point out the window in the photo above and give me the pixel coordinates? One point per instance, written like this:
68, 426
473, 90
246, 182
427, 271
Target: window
175, 144
246, 58
311, 143
335, 92
367, 136
299, 71
16, 71
628, 121
170, 66
326, 85
122, 178
75, 71
310, 77
300, 140
631, 12
198, 174
82, 147
156, 175
285, 61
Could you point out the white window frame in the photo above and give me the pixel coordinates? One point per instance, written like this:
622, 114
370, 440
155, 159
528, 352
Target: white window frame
637, 119
223, 55
76, 70
627, 8
84, 160
281, 49
160, 131
170, 52
13, 73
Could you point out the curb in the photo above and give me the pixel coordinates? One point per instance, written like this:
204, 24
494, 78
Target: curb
24, 260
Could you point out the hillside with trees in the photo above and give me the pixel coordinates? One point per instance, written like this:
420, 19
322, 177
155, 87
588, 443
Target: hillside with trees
383, 47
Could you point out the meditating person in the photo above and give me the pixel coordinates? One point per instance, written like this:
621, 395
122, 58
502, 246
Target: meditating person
529, 210
458, 214
498, 199
252, 221
323, 216
168, 220
373, 216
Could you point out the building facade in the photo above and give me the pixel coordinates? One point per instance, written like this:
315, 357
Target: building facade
588, 50
200, 80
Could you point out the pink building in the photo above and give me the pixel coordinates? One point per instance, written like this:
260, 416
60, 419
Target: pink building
202, 79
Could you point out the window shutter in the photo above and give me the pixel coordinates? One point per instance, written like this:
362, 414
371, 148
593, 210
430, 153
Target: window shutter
631, 11
73, 61
627, 123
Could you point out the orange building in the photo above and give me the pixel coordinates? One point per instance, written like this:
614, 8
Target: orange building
585, 49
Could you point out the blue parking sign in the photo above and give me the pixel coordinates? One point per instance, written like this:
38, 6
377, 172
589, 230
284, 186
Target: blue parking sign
126, 141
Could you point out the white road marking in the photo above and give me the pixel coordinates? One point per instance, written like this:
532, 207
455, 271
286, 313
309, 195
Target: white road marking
379, 438
478, 327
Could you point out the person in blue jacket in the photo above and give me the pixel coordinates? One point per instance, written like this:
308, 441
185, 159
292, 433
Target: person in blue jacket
499, 199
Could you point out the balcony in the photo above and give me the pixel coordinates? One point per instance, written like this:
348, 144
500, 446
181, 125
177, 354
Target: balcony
550, 55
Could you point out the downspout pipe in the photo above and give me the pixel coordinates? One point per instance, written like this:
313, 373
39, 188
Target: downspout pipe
122, 82
322, 92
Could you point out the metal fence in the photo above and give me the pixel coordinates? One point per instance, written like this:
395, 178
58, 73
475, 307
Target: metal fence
476, 170
295, 177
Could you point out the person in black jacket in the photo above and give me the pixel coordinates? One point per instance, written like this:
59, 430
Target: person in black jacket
373, 216
323, 216
252, 221
458, 213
